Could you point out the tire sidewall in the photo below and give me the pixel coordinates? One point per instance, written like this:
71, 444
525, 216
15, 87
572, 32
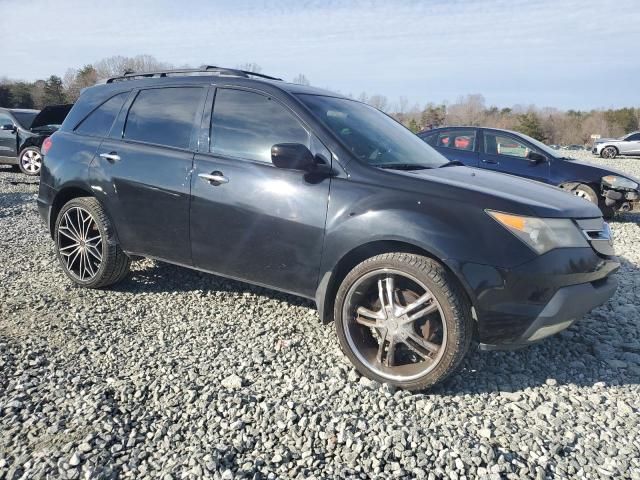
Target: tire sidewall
590, 192
26, 172
449, 357
614, 153
89, 207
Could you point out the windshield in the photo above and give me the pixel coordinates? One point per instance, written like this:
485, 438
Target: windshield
371, 135
25, 119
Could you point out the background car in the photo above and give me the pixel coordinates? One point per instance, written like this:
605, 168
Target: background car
22, 133
517, 154
628, 144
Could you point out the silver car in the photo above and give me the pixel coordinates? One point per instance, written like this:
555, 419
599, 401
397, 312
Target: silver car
629, 144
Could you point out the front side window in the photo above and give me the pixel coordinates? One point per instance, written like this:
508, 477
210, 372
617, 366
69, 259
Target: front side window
431, 139
246, 125
5, 120
495, 144
165, 116
457, 139
372, 136
634, 137
98, 123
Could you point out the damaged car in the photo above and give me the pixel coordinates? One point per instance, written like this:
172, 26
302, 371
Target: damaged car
518, 154
22, 132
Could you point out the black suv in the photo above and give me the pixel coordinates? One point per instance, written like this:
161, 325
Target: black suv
22, 133
311, 193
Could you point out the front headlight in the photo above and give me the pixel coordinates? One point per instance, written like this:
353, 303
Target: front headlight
614, 181
542, 234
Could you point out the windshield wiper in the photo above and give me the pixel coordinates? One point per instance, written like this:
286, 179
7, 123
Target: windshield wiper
403, 166
452, 163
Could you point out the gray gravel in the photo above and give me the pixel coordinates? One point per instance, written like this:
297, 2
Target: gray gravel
179, 374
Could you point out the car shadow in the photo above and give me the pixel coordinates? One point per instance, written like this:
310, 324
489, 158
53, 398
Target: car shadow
163, 277
603, 346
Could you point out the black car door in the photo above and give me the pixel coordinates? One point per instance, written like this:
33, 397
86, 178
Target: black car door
507, 153
249, 219
8, 142
456, 144
143, 169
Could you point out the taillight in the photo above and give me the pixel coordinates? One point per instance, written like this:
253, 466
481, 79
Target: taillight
46, 145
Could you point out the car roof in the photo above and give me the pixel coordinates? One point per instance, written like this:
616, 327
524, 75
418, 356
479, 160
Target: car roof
19, 110
204, 76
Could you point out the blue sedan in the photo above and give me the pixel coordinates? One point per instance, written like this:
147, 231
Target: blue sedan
517, 154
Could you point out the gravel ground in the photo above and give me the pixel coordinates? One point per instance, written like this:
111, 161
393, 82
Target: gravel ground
179, 374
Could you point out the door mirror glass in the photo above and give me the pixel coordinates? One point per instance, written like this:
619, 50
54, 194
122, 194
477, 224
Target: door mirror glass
293, 156
8, 126
536, 157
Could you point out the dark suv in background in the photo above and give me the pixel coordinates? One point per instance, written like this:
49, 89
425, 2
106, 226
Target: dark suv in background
517, 154
22, 133
308, 192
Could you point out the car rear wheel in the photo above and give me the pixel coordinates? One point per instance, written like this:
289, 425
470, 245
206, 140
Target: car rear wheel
609, 152
86, 245
30, 161
403, 320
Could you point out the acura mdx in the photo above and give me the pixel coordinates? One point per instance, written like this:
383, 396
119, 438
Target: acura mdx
307, 192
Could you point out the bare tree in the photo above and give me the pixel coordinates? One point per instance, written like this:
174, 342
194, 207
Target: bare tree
118, 65
250, 67
379, 101
301, 79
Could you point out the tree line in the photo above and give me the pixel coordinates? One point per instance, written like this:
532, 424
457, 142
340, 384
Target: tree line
551, 125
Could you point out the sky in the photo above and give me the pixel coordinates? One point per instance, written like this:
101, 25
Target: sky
578, 54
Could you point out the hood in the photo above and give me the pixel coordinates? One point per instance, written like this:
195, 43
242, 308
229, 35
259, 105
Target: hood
522, 196
588, 172
51, 115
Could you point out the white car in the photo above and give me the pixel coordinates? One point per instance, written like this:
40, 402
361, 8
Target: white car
629, 144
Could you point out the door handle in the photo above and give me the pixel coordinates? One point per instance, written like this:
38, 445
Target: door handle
492, 162
111, 157
215, 177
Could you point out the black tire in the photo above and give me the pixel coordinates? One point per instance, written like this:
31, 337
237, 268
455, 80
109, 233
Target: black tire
30, 161
114, 264
454, 312
609, 152
583, 190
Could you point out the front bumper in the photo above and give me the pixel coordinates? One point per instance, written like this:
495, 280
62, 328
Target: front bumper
518, 306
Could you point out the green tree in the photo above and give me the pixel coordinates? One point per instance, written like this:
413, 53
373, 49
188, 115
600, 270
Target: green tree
5, 96
529, 124
21, 95
54, 91
413, 126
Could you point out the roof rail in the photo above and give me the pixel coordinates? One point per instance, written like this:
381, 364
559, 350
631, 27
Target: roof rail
211, 69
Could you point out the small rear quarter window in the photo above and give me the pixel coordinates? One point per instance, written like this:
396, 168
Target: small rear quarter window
98, 123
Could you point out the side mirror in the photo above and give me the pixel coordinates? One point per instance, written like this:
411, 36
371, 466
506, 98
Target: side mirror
8, 126
535, 157
293, 156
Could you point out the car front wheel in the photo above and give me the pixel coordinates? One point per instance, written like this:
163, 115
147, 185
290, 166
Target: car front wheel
86, 245
609, 152
403, 320
30, 161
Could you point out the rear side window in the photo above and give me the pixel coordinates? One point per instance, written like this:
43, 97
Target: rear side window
247, 125
457, 139
164, 116
99, 122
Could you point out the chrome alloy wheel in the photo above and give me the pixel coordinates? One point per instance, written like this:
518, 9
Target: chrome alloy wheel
609, 152
80, 243
395, 325
31, 161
